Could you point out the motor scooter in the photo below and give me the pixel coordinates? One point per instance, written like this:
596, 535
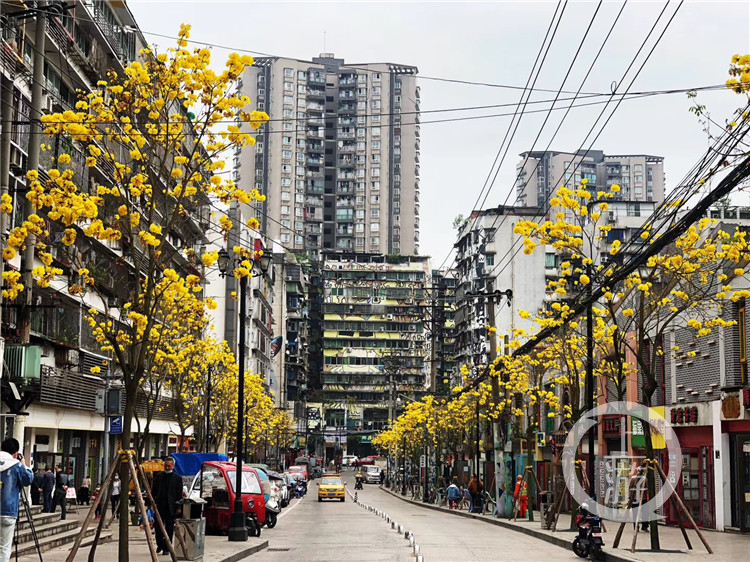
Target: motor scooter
589, 540
358, 484
272, 512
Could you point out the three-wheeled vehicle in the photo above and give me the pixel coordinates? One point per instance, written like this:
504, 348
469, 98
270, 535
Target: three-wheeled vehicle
216, 484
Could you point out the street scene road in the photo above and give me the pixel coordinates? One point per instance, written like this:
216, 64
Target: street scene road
344, 531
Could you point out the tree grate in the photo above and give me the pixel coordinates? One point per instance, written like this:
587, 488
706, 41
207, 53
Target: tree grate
278, 550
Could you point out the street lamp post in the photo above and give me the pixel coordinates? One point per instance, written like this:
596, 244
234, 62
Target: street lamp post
403, 464
208, 408
237, 528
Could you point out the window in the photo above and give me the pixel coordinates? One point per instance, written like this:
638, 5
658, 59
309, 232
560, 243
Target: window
362, 79
376, 104
638, 178
301, 75
376, 145
288, 73
360, 173
288, 127
285, 223
376, 131
361, 106
361, 146
286, 182
298, 225
549, 260
301, 89
360, 214
638, 168
375, 185
288, 87
376, 90
285, 209
359, 227
299, 184
285, 237
300, 170
298, 239
360, 186
361, 91
360, 242
361, 132
376, 118
261, 106
288, 100
301, 102
376, 77
375, 199
375, 240
299, 198
374, 213
286, 141
299, 212
286, 154
374, 227
288, 114
286, 196
376, 158
359, 200
490, 259
375, 172
286, 169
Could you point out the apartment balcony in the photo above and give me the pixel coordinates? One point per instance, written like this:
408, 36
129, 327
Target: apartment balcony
313, 229
316, 216
346, 135
313, 146
316, 93
315, 121
314, 186
313, 106
347, 149
346, 162
312, 79
346, 122
347, 107
347, 95
314, 132
347, 82
314, 161
345, 176
310, 174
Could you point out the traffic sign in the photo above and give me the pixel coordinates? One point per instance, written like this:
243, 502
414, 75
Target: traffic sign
422, 461
115, 425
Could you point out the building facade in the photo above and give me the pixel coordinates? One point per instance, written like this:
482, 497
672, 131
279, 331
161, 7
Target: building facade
339, 159
374, 337
540, 173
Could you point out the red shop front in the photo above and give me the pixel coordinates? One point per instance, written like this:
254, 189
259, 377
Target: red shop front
692, 424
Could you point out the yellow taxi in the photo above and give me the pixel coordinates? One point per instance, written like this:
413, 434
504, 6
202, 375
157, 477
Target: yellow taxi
331, 487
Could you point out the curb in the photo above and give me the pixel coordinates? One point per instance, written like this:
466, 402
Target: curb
417, 556
245, 552
537, 534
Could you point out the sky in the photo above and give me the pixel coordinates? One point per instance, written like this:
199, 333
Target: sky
497, 43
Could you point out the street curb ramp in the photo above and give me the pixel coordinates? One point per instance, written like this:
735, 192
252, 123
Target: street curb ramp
537, 534
249, 551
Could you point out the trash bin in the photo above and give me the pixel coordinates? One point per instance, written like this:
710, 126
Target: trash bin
190, 530
546, 501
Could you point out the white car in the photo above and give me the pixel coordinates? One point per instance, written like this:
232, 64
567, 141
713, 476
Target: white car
348, 460
372, 474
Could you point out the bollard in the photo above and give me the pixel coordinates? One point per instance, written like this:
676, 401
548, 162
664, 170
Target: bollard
411, 541
416, 548
407, 534
420, 558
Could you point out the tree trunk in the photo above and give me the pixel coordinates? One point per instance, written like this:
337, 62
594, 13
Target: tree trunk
123, 547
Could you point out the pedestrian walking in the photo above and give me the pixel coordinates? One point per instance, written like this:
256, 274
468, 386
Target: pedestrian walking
59, 497
14, 475
36, 487
116, 488
48, 486
97, 491
167, 490
84, 493
476, 488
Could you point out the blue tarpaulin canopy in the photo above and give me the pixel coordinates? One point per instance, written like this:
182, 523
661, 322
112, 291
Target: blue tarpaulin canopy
189, 464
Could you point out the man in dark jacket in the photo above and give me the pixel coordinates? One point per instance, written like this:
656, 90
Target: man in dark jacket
61, 493
36, 487
48, 485
167, 490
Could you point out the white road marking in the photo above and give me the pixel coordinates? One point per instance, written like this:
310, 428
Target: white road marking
288, 510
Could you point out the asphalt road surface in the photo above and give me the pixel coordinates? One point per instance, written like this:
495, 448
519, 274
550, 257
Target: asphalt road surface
332, 530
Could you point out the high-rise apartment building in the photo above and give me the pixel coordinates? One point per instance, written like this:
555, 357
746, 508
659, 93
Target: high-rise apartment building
539, 174
339, 159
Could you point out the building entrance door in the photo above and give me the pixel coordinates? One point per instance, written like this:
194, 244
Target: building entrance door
741, 481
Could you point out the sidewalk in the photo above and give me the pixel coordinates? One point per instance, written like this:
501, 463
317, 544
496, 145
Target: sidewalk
217, 549
727, 547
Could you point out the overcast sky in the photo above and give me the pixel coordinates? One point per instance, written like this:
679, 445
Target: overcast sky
497, 43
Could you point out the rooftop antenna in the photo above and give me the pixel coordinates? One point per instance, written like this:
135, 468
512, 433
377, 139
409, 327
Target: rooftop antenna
324, 41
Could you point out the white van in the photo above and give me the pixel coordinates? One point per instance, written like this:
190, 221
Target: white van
372, 474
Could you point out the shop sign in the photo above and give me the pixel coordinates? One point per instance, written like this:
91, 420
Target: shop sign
658, 431
611, 426
684, 415
730, 407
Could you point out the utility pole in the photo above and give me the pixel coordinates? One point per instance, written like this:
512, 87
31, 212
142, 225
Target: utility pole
35, 141
496, 444
208, 407
590, 380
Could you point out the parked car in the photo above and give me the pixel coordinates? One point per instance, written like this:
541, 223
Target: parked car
348, 460
364, 461
301, 469
372, 474
331, 487
216, 485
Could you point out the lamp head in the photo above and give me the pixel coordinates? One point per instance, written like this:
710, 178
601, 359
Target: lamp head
223, 261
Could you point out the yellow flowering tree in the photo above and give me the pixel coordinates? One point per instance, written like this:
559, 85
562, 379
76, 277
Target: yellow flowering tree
155, 140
